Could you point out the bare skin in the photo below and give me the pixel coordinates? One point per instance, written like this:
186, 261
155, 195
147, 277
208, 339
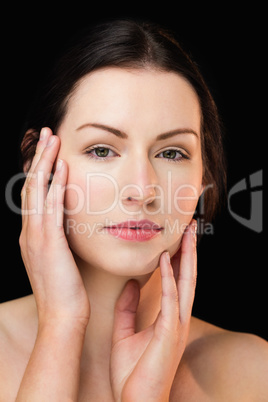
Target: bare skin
217, 365
117, 325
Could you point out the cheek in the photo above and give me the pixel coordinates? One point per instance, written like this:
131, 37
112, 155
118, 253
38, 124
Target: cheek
182, 194
182, 191
88, 198
185, 199
90, 194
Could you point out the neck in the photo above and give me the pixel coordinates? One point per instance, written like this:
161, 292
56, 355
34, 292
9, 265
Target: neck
103, 291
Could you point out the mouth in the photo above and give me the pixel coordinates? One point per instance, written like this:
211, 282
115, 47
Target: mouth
131, 230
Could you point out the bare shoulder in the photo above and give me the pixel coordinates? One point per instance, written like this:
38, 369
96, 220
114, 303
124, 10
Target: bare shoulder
18, 327
18, 318
222, 365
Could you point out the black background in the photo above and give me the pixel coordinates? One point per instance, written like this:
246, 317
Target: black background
228, 45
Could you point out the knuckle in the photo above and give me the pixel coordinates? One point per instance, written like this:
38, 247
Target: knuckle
30, 188
23, 192
22, 240
50, 203
30, 246
173, 294
190, 280
30, 185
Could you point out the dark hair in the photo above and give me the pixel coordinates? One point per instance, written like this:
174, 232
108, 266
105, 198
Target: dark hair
129, 44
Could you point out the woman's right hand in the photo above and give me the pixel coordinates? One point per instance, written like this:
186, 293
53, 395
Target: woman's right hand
56, 282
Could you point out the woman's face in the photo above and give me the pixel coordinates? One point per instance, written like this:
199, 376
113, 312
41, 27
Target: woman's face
131, 139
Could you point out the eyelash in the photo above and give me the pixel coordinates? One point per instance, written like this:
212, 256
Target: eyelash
182, 155
90, 154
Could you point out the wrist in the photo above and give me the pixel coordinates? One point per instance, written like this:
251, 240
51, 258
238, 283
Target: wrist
53, 368
61, 324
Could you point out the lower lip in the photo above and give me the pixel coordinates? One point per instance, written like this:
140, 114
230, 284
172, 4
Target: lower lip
138, 235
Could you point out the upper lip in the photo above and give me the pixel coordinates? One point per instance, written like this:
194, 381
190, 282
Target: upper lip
144, 224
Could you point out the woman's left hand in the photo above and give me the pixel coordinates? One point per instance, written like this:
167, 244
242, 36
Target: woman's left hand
144, 364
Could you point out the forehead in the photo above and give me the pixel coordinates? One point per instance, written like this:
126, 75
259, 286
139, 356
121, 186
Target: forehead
130, 97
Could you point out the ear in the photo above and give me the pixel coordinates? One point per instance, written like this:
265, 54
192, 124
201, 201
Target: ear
28, 146
26, 167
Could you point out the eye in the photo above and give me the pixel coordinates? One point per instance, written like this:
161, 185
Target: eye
173, 155
99, 152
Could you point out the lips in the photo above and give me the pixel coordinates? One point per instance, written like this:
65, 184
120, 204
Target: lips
144, 224
132, 230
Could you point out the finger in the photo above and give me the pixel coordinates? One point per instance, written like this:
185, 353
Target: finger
44, 136
125, 312
54, 203
37, 187
45, 133
169, 302
187, 273
175, 263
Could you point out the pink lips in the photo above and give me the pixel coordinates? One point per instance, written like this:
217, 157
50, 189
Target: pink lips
131, 230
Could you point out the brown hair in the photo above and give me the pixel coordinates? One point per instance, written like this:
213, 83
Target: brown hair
125, 43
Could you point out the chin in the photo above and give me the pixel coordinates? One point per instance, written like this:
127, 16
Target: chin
128, 260
130, 263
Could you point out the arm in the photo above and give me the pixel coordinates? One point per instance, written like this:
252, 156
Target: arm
63, 307
53, 370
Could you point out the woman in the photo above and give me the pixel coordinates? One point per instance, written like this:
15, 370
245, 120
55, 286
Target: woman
132, 136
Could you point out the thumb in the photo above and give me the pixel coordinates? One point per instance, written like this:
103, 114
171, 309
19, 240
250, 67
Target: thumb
125, 312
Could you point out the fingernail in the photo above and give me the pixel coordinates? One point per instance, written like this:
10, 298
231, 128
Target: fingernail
43, 134
59, 164
167, 257
51, 140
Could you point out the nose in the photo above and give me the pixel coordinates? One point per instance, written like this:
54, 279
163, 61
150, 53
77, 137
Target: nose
140, 186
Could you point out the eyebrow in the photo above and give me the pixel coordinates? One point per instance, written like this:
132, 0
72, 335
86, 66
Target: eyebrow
175, 132
122, 134
111, 130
